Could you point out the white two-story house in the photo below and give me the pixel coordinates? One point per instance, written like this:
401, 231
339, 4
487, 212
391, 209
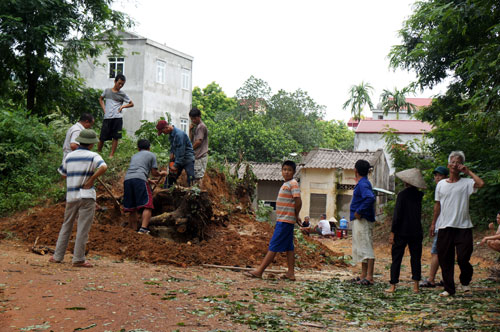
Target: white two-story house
158, 80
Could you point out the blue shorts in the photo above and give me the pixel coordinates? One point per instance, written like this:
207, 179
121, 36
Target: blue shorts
434, 249
282, 239
137, 195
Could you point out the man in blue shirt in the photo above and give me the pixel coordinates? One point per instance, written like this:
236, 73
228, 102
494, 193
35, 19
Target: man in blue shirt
181, 152
362, 215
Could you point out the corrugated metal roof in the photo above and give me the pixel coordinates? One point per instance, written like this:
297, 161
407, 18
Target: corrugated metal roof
328, 158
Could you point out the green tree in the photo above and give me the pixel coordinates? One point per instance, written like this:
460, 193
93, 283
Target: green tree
212, 102
253, 95
298, 114
31, 37
336, 135
252, 139
396, 101
458, 41
359, 96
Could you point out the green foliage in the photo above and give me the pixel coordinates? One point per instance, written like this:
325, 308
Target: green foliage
336, 135
297, 114
414, 154
263, 212
458, 41
359, 96
31, 37
29, 158
212, 101
251, 139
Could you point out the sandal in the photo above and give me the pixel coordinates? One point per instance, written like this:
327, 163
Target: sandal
83, 264
440, 284
427, 284
365, 282
354, 280
53, 260
251, 275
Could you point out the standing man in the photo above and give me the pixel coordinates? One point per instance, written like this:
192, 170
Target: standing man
116, 101
199, 138
70, 144
362, 218
181, 152
81, 168
455, 226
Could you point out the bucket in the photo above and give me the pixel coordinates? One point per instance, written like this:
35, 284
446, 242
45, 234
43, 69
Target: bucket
339, 233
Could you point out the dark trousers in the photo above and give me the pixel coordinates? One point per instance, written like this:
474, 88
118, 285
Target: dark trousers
414, 243
172, 178
449, 240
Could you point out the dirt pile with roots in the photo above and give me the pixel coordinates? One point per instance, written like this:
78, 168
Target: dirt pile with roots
219, 228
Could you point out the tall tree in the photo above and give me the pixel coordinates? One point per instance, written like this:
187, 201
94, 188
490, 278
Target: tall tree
359, 96
32, 33
213, 102
336, 135
253, 95
459, 41
396, 101
298, 114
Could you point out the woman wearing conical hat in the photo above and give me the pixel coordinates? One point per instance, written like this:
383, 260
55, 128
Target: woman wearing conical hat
406, 227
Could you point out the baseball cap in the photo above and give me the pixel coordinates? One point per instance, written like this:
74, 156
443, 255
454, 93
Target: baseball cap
441, 170
160, 125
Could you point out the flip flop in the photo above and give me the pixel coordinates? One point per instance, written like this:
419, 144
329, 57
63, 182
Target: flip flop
354, 280
365, 282
53, 260
285, 277
83, 264
427, 284
250, 275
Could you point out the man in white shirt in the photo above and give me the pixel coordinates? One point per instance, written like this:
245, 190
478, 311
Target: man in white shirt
455, 226
70, 144
324, 227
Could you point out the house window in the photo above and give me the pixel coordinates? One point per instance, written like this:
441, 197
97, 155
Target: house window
161, 71
184, 125
186, 79
317, 205
345, 186
116, 66
381, 117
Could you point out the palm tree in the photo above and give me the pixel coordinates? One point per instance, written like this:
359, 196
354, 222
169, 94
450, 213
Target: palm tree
359, 95
396, 101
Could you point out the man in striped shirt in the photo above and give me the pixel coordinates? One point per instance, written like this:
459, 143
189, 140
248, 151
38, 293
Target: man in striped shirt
81, 168
288, 207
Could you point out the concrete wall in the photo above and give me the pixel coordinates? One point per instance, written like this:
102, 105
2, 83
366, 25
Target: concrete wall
151, 99
375, 141
318, 181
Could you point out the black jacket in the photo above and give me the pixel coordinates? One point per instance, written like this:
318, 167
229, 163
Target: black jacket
407, 213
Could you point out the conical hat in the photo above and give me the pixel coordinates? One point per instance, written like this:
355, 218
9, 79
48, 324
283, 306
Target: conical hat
412, 176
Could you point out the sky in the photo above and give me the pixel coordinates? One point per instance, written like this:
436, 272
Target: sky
320, 46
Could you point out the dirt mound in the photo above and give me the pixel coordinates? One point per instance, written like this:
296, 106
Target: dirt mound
240, 241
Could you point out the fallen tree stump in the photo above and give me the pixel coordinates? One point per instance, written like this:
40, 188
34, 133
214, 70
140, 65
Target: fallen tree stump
188, 211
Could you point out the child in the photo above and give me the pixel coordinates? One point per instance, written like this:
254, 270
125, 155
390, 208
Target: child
137, 194
116, 101
81, 167
406, 227
362, 218
288, 206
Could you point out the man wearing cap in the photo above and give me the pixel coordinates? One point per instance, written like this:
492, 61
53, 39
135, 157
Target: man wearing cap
455, 225
181, 151
81, 168
440, 173
406, 227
